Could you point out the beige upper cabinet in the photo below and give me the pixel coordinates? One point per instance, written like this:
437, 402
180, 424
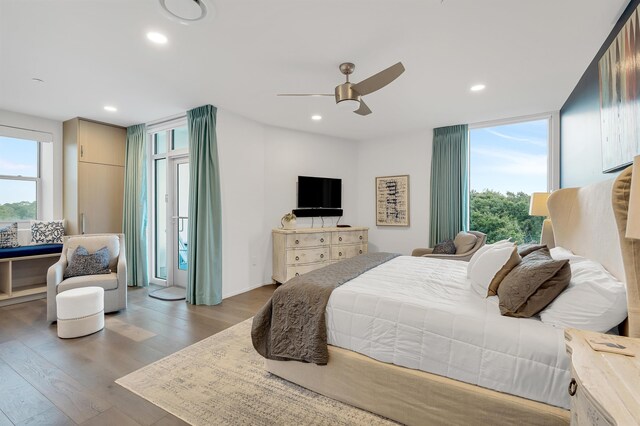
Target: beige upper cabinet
93, 176
100, 143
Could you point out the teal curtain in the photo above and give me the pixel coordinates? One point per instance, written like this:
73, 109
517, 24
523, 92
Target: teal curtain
134, 222
204, 255
449, 183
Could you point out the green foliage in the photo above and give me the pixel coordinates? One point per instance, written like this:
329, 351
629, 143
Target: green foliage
23, 210
504, 216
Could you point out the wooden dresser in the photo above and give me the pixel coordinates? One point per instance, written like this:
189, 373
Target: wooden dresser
297, 251
604, 387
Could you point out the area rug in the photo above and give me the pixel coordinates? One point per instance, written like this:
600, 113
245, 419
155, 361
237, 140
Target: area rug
222, 380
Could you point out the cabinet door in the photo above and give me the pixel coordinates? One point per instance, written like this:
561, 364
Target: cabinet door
100, 198
100, 143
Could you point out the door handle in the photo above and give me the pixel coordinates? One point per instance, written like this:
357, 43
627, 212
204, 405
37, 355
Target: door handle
82, 223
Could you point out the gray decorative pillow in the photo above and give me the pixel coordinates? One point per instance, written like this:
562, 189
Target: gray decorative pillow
85, 263
9, 236
528, 248
47, 232
445, 247
533, 284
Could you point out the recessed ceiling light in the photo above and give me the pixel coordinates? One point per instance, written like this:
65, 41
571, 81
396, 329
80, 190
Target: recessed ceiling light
185, 11
316, 117
157, 37
478, 87
110, 108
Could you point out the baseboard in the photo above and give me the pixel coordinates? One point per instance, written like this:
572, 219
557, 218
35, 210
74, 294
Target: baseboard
226, 296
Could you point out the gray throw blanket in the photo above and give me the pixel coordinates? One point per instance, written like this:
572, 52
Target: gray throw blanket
292, 326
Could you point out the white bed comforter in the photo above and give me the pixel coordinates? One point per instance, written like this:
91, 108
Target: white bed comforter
420, 313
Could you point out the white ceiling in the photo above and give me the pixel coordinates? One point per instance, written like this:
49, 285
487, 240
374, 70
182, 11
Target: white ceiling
91, 53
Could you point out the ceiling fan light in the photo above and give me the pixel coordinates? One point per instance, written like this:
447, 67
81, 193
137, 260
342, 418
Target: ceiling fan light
349, 104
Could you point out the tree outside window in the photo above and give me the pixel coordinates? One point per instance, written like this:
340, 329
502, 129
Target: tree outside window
507, 164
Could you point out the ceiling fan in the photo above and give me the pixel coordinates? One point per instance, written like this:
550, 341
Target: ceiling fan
350, 94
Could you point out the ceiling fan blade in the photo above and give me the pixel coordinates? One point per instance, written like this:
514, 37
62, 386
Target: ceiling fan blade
363, 110
378, 81
305, 94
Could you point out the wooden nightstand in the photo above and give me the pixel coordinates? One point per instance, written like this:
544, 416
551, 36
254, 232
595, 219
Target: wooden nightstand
605, 387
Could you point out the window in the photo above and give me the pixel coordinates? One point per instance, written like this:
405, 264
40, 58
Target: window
19, 179
507, 163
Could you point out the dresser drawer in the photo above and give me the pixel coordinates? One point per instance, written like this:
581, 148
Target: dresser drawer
310, 255
295, 270
308, 240
348, 237
345, 252
584, 410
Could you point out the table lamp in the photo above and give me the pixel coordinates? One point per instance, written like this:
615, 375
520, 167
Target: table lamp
538, 207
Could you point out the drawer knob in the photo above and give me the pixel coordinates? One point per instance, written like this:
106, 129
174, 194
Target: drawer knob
321, 256
322, 240
360, 236
297, 257
339, 253
339, 238
297, 242
360, 251
297, 274
573, 387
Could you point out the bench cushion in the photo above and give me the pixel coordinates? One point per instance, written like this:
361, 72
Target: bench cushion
34, 250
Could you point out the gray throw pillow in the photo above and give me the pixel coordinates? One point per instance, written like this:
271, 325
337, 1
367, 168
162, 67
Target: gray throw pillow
528, 248
9, 236
533, 284
85, 263
445, 247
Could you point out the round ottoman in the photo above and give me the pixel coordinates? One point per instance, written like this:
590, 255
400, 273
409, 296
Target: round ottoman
80, 311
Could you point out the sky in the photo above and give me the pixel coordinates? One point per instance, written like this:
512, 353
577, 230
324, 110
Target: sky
18, 158
511, 157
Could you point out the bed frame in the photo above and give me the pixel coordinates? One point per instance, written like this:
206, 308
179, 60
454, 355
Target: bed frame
591, 222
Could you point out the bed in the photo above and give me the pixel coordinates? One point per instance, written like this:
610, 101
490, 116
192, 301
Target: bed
498, 370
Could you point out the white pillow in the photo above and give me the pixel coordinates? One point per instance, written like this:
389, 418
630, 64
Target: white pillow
561, 253
480, 252
594, 300
488, 265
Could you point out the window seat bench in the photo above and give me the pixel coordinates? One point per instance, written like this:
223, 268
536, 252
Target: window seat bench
23, 272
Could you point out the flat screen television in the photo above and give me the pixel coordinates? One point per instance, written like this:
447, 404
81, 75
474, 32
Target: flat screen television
319, 193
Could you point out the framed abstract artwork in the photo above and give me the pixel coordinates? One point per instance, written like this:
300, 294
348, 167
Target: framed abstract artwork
619, 75
392, 200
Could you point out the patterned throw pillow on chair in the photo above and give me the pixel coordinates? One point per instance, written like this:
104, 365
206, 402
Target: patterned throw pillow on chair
445, 247
9, 236
84, 263
47, 232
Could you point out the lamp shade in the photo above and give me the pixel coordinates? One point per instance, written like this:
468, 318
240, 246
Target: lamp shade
538, 205
633, 216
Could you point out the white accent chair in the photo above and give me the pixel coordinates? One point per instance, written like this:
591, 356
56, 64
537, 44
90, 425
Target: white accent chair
114, 284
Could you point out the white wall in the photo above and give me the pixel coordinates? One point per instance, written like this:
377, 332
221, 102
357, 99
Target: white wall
51, 159
408, 154
259, 166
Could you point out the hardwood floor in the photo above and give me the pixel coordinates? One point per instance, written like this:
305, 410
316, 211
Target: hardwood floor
45, 380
